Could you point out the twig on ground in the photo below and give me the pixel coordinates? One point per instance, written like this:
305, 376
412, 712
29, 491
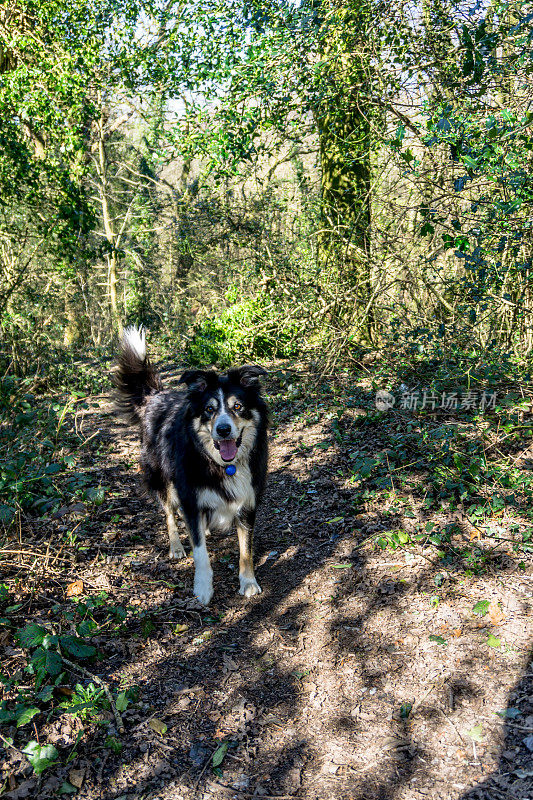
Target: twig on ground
463, 740
10, 744
116, 713
4, 551
202, 773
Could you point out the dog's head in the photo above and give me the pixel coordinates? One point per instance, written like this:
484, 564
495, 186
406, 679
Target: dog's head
226, 409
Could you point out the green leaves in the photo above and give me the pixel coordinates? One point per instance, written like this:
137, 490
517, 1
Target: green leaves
40, 756
437, 639
476, 733
31, 636
220, 754
45, 663
27, 715
481, 608
122, 701
77, 647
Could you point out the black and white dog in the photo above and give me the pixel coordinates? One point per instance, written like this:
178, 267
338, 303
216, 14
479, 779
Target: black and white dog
203, 452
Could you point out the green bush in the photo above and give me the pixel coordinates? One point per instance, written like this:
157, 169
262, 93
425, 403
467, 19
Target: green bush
251, 329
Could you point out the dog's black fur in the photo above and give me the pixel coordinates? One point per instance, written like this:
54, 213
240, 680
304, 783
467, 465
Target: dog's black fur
188, 439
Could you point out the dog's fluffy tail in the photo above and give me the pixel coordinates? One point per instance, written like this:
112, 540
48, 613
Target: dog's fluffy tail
134, 376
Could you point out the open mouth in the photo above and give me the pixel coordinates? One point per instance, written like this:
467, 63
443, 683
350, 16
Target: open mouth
228, 448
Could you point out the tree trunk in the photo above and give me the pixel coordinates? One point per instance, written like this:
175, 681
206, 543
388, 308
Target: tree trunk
345, 146
110, 234
71, 333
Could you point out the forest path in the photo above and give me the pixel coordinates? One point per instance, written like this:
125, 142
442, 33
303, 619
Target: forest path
327, 685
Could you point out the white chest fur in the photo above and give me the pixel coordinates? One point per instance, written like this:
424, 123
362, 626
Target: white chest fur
241, 495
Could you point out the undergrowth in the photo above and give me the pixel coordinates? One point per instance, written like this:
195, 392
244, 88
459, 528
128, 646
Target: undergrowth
461, 475
50, 680
37, 452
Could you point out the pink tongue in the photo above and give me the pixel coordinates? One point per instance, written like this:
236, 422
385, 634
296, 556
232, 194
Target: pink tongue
228, 449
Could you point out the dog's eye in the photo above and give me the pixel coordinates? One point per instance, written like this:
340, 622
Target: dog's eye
237, 407
210, 409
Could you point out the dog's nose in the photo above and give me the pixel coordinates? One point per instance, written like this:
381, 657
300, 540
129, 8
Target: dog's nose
223, 429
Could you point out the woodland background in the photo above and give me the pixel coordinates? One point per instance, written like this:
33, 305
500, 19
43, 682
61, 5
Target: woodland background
257, 179
343, 192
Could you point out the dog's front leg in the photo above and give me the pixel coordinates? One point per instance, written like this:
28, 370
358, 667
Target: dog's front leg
203, 574
245, 528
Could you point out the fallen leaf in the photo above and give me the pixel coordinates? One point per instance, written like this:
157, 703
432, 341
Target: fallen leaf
76, 777
270, 719
496, 614
492, 641
74, 589
25, 789
523, 773
395, 743
476, 733
180, 628
158, 726
229, 664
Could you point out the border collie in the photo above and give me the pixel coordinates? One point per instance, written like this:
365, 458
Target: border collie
203, 452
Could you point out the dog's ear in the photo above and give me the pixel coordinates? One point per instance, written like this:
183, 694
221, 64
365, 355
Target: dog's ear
196, 379
249, 375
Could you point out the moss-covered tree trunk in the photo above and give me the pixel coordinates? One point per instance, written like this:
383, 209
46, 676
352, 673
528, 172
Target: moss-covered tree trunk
345, 143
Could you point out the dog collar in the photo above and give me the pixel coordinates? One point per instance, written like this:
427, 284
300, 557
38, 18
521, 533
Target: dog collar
230, 470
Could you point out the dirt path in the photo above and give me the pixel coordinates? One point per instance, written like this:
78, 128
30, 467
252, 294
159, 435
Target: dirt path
326, 686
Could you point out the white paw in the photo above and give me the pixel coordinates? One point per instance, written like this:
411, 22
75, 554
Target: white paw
249, 586
177, 552
203, 587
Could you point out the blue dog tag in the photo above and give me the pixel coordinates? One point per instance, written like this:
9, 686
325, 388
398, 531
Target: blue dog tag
231, 469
